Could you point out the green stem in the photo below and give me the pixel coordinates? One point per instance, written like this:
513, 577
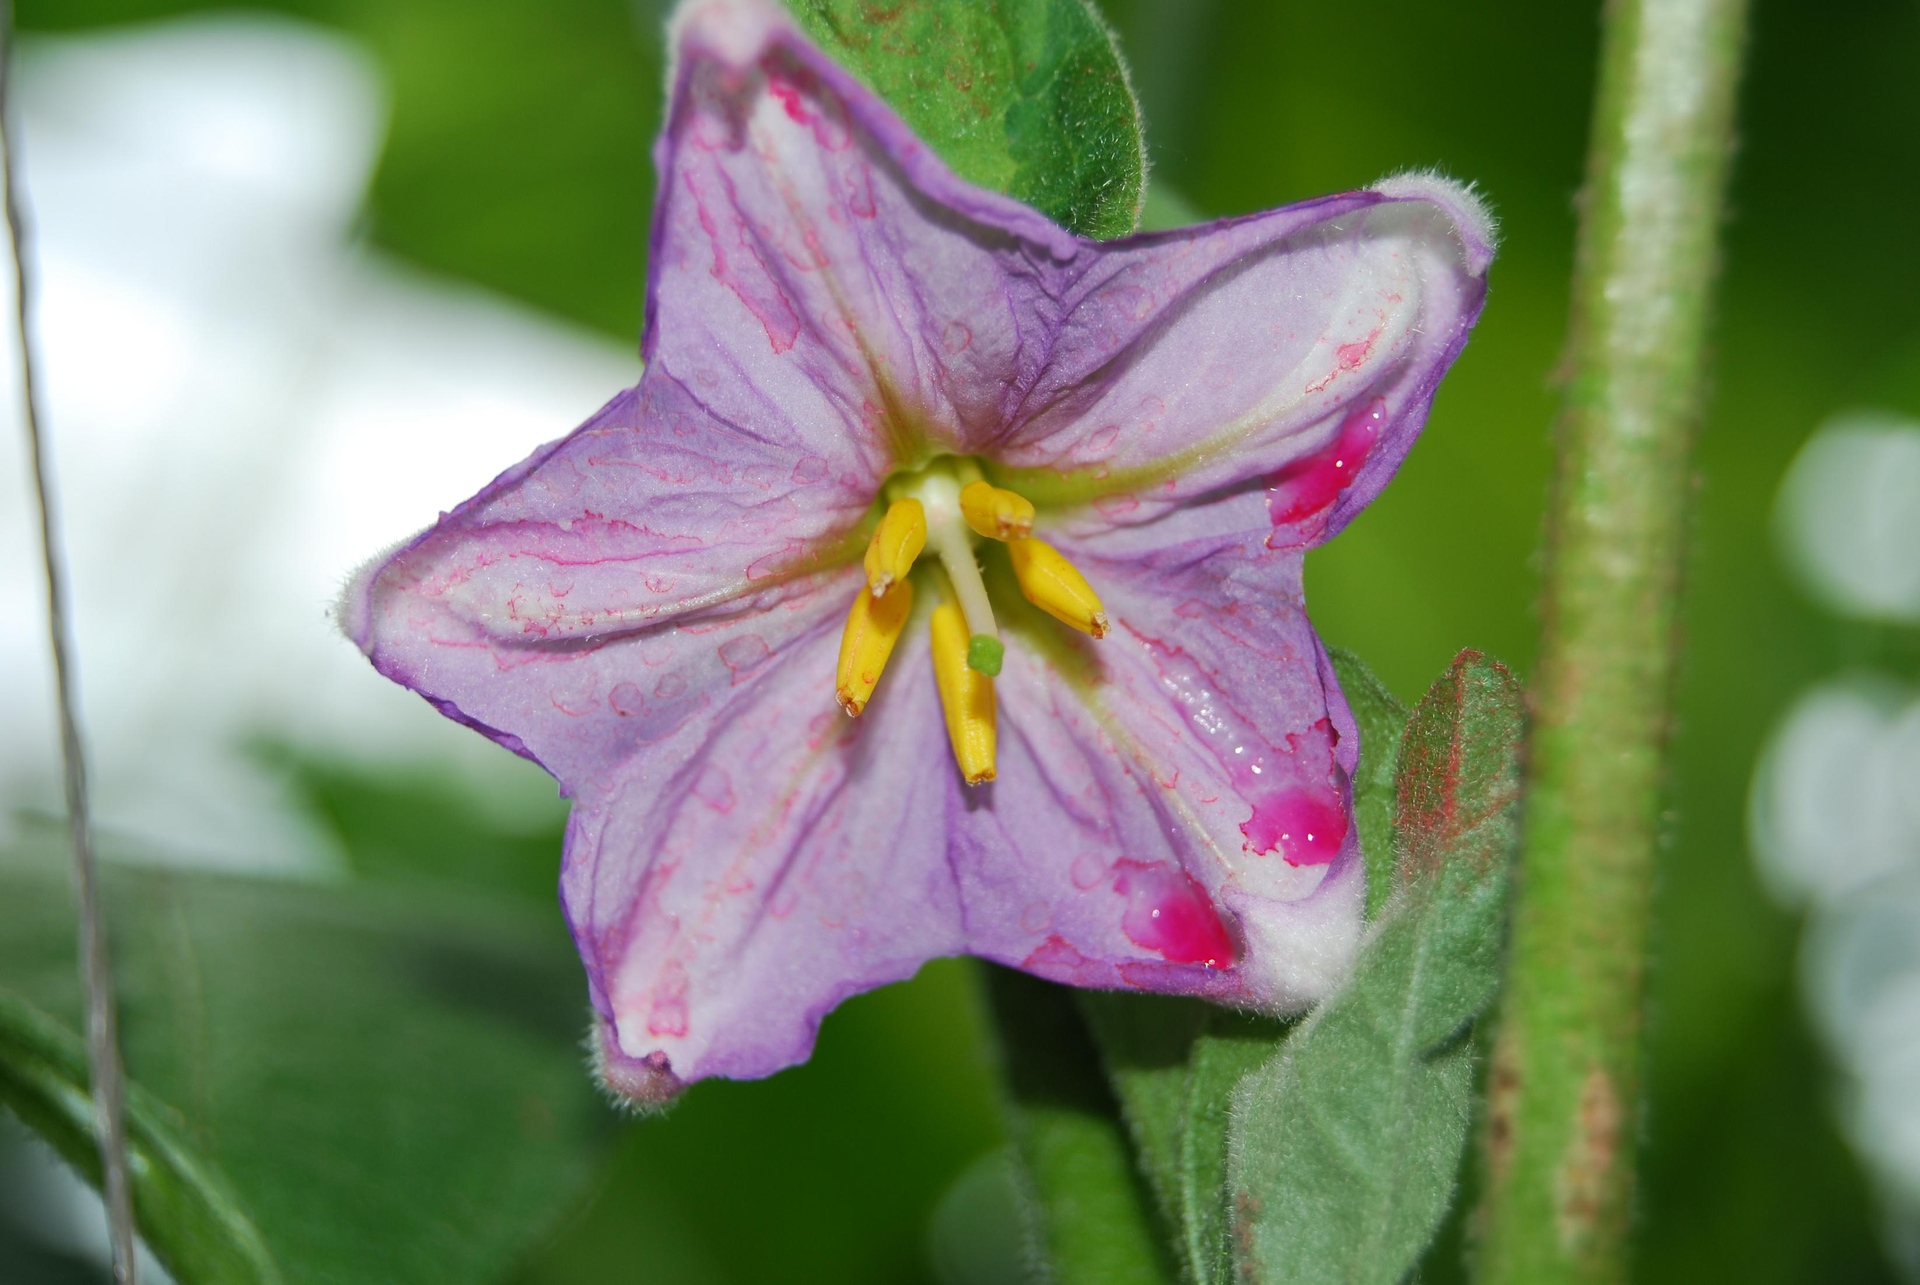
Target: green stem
1565, 1077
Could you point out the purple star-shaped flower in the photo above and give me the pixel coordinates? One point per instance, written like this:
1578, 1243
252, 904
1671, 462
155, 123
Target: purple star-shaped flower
850, 351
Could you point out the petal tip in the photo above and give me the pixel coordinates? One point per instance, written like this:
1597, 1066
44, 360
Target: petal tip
352, 610
642, 1085
1473, 221
735, 31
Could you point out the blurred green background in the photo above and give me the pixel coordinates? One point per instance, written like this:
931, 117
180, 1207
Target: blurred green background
518, 159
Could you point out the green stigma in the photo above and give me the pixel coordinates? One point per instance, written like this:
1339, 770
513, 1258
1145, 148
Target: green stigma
984, 654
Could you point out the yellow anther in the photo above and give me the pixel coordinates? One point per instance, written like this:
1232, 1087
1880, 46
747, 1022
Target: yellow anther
873, 626
1056, 586
994, 513
966, 695
896, 542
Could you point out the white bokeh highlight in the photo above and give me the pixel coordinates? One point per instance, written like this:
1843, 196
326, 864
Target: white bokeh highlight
1836, 800
1834, 810
1848, 519
244, 403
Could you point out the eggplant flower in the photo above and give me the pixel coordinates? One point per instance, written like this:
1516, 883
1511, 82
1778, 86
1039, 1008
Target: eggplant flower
1031, 508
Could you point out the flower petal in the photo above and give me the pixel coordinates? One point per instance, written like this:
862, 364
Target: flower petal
767, 860
1298, 348
1194, 762
815, 265
653, 511
740, 855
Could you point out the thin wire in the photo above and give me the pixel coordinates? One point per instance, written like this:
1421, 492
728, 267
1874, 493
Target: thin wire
103, 1051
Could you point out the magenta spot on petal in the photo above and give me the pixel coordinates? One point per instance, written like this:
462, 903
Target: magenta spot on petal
667, 1015
743, 654
715, 789
1087, 871
1113, 506
789, 96
1294, 792
1056, 958
1308, 828
626, 699
670, 686
955, 337
1351, 355
810, 470
772, 564
1308, 487
757, 287
860, 202
1170, 913
1131, 301
578, 698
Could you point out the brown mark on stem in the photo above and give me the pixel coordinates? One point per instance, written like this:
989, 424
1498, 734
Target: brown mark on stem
1503, 1096
1580, 1186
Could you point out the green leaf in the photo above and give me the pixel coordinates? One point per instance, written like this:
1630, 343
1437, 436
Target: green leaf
1028, 97
1345, 1146
191, 1219
1174, 1063
337, 1082
1381, 718
1086, 1215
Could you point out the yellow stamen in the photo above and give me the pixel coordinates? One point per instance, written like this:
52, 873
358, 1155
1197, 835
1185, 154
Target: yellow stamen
965, 694
1056, 586
873, 626
994, 513
896, 542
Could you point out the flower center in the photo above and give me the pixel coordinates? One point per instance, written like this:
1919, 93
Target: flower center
945, 509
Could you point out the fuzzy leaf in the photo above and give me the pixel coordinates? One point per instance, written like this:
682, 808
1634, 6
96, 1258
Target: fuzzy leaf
338, 1082
1174, 1063
1382, 718
1087, 1219
1345, 1146
1028, 97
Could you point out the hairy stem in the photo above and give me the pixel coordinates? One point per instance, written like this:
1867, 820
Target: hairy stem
103, 1051
1566, 1075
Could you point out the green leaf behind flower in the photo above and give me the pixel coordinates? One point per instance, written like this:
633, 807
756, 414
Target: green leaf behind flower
1086, 1217
329, 1082
1175, 1063
1345, 1146
1382, 720
189, 1215
1027, 97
